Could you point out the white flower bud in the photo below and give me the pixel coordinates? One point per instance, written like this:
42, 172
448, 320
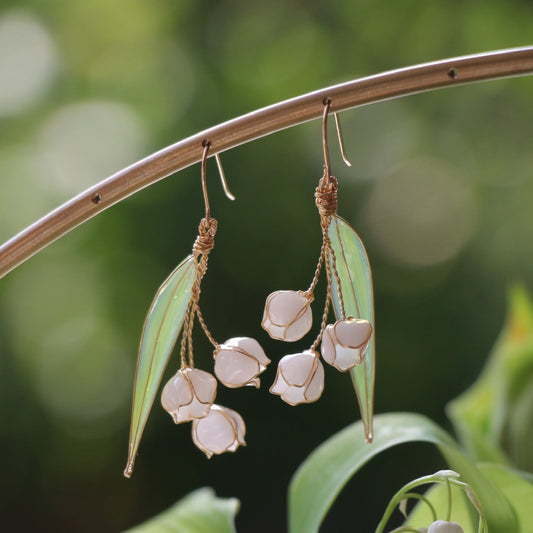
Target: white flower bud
344, 343
442, 526
445, 474
239, 361
222, 430
189, 394
287, 315
300, 378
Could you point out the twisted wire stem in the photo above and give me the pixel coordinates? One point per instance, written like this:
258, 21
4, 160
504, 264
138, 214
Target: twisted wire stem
309, 293
185, 336
326, 202
337, 277
203, 245
324, 223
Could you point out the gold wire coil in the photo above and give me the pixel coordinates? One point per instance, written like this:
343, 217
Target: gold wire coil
205, 241
326, 196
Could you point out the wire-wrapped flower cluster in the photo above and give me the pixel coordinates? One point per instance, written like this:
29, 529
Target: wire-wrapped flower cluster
288, 317
190, 394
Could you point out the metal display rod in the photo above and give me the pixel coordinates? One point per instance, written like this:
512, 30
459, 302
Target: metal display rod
388, 85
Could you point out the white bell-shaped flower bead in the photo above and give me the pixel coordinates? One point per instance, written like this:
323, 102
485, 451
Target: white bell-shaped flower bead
239, 361
189, 394
287, 315
222, 430
344, 343
442, 526
300, 378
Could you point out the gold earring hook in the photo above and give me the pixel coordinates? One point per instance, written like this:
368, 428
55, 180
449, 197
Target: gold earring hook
327, 105
207, 145
227, 192
341, 140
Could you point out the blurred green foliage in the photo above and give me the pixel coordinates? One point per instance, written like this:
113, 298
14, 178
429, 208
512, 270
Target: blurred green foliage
495, 416
199, 512
439, 191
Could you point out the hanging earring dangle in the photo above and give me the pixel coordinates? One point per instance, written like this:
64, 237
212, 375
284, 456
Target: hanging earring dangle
348, 343
190, 394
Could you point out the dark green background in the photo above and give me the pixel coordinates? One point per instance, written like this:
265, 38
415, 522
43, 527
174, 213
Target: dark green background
440, 191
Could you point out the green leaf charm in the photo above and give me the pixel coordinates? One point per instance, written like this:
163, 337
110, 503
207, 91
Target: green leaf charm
355, 277
160, 333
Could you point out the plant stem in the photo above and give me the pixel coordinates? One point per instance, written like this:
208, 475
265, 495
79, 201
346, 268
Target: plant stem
422, 498
401, 494
388, 85
448, 500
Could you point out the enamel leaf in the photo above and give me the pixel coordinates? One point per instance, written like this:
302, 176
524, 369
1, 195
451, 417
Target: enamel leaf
160, 333
355, 277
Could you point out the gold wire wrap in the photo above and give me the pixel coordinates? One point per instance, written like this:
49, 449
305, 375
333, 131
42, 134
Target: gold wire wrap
205, 241
326, 196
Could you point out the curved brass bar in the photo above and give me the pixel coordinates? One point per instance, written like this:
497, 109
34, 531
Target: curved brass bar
392, 84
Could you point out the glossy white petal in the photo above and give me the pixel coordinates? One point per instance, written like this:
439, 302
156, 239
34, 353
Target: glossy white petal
222, 430
239, 361
344, 343
442, 526
189, 394
300, 378
287, 315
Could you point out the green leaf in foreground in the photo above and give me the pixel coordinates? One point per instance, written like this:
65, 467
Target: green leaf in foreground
494, 417
324, 473
355, 277
160, 333
199, 512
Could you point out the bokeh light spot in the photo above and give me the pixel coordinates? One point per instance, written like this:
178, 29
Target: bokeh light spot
83, 373
85, 142
422, 214
28, 61
72, 358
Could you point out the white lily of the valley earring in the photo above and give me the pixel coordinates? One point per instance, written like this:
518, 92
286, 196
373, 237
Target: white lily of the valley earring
239, 361
344, 343
443, 526
189, 394
222, 430
300, 378
287, 315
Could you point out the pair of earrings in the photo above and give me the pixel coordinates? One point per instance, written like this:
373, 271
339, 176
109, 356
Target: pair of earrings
190, 394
